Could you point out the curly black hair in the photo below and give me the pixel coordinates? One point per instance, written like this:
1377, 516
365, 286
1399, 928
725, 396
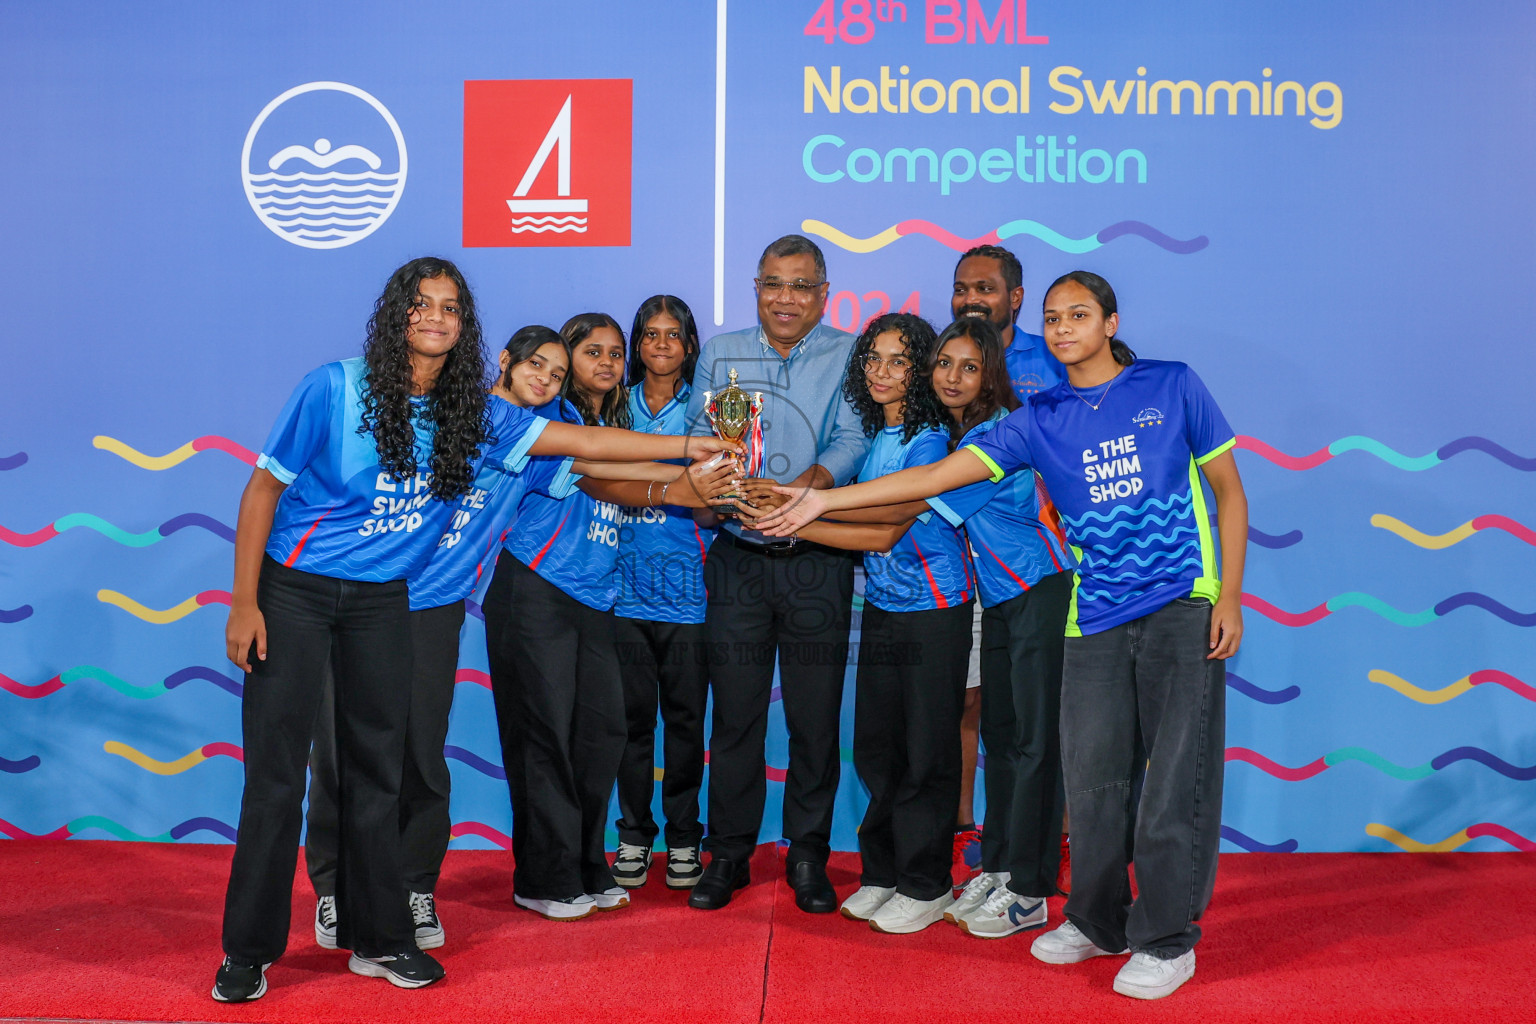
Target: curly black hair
456, 402
613, 410
920, 407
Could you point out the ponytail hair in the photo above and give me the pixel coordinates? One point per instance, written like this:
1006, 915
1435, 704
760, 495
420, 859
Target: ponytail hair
1104, 295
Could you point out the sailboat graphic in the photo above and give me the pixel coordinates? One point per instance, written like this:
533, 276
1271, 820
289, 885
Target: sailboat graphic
560, 214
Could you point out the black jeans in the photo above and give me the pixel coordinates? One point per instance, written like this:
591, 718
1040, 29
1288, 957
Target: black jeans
797, 608
425, 784
1021, 652
1150, 675
364, 630
909, 698
663, 664
560, 709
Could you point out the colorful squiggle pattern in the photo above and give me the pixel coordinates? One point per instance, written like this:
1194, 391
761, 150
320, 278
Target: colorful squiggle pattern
1012, 229
1252, 845
1260, 694
9, 615
1436, 543
169, 615
208, 442
1407, 773
84, 672
474, 609
1454, 690
13, 461
117, 533
1273, 541
24, 764
477, 828
74, 828
472, 675
181, 764
1358, 442
1451, 842
475, 761
1354, 599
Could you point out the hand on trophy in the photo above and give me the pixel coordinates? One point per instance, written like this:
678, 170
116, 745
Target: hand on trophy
713, 479
796, 507
756, 498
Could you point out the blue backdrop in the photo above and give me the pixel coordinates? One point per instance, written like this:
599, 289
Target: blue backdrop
1351, 280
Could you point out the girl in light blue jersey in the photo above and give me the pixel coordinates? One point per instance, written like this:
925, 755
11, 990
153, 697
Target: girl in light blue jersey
1127, 448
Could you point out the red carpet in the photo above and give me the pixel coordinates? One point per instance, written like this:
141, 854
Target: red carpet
129, 932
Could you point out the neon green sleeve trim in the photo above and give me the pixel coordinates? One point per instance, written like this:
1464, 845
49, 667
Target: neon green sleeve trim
996, 470
1202, 460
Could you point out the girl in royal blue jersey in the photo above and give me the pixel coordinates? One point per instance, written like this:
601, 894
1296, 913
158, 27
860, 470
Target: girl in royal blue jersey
914, 640
1126, 448
660, 619
351, 494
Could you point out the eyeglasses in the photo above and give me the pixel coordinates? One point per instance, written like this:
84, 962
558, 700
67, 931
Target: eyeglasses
798, 288
872, 361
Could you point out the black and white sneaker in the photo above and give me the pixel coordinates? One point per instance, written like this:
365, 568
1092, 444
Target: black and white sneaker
631, 865
683, 867
412, 969
429, 930
325, 922
240, 981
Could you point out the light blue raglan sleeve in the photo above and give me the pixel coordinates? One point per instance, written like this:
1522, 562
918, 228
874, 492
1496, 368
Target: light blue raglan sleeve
303, 428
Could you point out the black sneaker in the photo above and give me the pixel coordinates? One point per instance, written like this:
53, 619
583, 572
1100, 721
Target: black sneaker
240, 981
631, 865
683, 867
325, 922
429, 930
403, 970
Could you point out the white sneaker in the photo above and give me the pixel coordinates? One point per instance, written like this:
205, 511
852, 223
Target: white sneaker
1004, 913
972, 896
1067, 945
572, 908
903, 915
610, 899
429, 930
861, 906
631, 865
1146, 976
325, 922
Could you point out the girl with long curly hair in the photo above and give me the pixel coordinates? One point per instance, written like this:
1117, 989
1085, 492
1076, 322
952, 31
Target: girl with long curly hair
354, 490
915, 639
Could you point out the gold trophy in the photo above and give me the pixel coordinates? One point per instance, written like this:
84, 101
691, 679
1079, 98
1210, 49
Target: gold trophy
736, 416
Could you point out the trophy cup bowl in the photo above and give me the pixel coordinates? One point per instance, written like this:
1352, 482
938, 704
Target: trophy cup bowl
735, 416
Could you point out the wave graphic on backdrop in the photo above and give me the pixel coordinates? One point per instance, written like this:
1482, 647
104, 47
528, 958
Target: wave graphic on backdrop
9, 615
25, 764
181, 764
1273, 541
74, 828
1012, 229
12, 461
1359, 443
1354, 599
1260, 694
547, 224
1454, 690
117, 533
1406, 773
206, 443
1451, 842
1436, 543
472, 675
1252, 845
329, 207
81, 673
460, 829
169, 615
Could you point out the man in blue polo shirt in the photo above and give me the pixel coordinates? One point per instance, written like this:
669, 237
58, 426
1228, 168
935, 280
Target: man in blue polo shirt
989, 282
770, 599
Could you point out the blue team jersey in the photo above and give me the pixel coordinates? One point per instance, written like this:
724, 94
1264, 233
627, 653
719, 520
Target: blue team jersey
1126, 480
1014, 531
661, 549
341, 515
1031, 367
480, 522
928, 568
571, 539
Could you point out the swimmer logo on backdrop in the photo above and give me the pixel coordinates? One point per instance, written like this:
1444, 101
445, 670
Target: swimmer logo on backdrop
323, 165
547, 162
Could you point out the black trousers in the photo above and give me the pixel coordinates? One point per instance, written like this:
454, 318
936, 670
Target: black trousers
796, 607
1021, 653
367, 626
663, 665
908, 704
1149, 676
560, 709
425, 782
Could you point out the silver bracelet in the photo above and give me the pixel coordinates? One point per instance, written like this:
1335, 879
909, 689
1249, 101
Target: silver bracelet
650, 485
664, 492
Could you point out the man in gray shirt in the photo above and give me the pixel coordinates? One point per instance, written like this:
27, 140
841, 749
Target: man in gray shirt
770, 597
